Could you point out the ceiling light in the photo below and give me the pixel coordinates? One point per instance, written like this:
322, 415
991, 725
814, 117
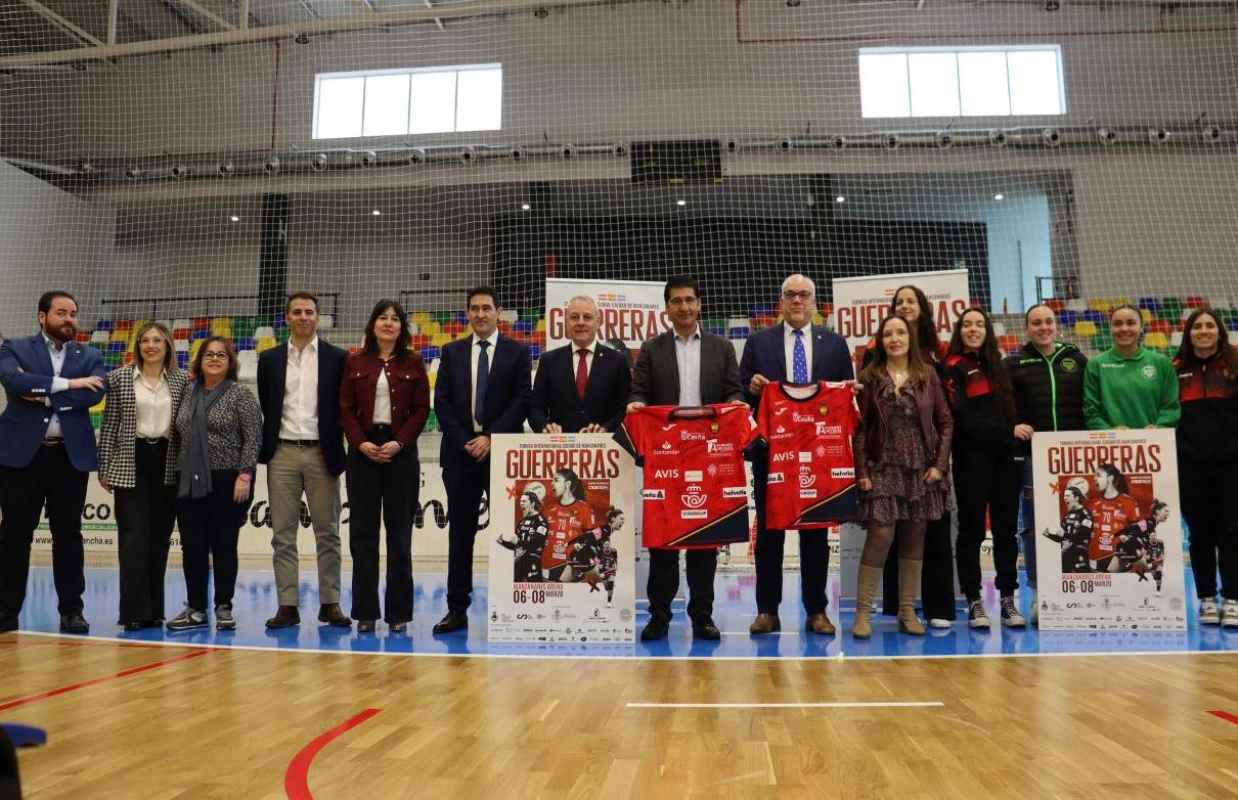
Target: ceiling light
235, 218
376, 213
681, 203
525, 207
999, 197
840, 199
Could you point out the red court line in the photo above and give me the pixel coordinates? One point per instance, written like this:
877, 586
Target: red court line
1225, 715
124, 673
296, 779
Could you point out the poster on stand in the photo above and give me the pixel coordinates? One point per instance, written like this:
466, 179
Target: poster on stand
861, 303
1108, 531
561, 539
629, 312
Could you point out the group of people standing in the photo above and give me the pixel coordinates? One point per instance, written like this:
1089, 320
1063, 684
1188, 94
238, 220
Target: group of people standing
942, 425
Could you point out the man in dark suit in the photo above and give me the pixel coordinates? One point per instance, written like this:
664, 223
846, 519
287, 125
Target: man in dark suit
482, 389
583, 386
683, 367
794, 352
47, 452
303, 448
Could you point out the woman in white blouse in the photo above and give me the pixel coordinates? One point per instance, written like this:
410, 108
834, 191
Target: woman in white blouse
137, 462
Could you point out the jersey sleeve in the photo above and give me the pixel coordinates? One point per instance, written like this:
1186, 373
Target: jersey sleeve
630, 435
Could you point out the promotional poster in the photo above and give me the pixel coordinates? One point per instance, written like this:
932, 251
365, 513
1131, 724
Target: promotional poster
630, 311
561, 539
861, 303
1109, 531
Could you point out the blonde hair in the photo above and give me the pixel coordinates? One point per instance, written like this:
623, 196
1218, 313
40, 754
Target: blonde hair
169, 356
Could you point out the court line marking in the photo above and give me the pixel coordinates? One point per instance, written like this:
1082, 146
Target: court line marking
651, 657
890, 704
124, 673
296, 777
1225, 715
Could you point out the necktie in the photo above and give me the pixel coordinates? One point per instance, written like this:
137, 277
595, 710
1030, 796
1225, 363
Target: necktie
799, 361
582, 373
479, 390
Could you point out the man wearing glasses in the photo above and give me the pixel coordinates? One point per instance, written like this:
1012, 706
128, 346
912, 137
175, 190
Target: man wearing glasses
794, 352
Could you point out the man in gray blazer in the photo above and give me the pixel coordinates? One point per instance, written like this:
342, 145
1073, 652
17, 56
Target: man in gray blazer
683, 367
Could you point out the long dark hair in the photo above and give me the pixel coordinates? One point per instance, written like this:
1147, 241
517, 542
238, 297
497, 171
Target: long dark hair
917, 370
926, 333
1119, 480
1226, 352
574, 484
401, 339
989, 358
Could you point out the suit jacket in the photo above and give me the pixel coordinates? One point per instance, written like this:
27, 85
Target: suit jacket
26, 369
765, 354
507, 395
272, 371
119, 430
655, 379
555, 398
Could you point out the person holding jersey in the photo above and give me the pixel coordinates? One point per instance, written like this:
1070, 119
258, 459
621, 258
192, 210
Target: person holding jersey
1207, 367
986, 475
937, 588
902, 453
1046, 379
384, 403
1129, 386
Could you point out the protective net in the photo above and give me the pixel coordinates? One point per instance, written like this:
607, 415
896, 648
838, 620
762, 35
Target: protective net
195, 161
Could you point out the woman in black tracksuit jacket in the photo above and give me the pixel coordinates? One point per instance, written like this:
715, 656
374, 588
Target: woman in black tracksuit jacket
986, 476
1046, 377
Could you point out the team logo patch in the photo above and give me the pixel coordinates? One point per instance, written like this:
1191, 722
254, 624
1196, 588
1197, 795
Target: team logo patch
713, 426
1069, 364
712, 469
807, 479
694, 500
1148, 371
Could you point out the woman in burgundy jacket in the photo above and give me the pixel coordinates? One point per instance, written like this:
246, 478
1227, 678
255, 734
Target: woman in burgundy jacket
384, 403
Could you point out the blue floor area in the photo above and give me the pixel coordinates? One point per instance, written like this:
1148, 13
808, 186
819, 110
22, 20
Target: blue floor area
733, 611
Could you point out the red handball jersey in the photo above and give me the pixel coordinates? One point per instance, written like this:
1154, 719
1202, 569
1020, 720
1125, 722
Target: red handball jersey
1109, 518
696, 490
811, 482
565, 524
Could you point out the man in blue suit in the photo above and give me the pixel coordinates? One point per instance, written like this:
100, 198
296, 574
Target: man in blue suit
47, 452
482, 389
794, 352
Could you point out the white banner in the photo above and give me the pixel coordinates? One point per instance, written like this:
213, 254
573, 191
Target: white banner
1109, 533
562, 539
631, 311
861, 303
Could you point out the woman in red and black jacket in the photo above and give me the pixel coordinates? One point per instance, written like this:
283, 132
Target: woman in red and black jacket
1208, 460
384, 403
987, 477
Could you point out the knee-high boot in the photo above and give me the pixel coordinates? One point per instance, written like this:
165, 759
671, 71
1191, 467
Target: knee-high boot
909, 571
866, 590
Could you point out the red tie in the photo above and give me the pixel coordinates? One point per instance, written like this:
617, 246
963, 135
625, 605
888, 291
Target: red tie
582, 373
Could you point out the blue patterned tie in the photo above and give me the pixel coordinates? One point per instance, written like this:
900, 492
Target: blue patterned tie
483, 374
799, 361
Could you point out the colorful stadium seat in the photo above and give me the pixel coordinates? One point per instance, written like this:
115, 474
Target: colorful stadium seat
266, 343
1156, 341
1085, 328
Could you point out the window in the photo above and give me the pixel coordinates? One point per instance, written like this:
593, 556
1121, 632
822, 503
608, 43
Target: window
967, 82
396, 102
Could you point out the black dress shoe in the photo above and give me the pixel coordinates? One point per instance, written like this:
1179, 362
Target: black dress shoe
365, 626
707, 630
655, 630
333, 615
8, 623
452, 621
285, 617
74, 623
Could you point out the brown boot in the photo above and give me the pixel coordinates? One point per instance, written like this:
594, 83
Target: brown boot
908, 588
866, 589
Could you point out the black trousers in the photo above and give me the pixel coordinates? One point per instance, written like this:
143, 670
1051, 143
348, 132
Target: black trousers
814, 559
1206, 491
210, 528
987, 480
52, 480
937, 578
391, 491
663, 582
466, 481
145, 515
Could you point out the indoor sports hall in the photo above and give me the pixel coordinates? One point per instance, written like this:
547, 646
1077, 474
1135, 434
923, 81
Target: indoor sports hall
189, 166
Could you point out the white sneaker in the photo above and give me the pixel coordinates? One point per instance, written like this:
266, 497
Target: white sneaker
1229, 613
977, 617
945, 624
1011, 617
1209, 614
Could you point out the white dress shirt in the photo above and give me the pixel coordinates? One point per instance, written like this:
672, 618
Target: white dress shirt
154, 406
56, 351
382, 399
788, 339
299, 420
688, 359
474, 354
590, 352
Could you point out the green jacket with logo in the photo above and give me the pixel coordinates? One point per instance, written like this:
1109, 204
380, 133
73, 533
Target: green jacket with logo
1130, 392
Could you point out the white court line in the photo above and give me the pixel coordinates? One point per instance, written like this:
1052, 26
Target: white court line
892, 704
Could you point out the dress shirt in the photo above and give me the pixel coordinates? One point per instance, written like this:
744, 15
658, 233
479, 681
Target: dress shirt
474, 353
789, 349
154, 406
56, 351
299, 420
688, 359
382, 399
590, 351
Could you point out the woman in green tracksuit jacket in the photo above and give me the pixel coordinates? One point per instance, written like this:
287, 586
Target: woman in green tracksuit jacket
1128, 386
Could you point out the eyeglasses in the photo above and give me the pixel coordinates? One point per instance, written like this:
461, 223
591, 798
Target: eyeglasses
803, 294
215, 354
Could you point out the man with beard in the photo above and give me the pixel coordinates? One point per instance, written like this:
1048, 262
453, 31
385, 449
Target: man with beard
47, 452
